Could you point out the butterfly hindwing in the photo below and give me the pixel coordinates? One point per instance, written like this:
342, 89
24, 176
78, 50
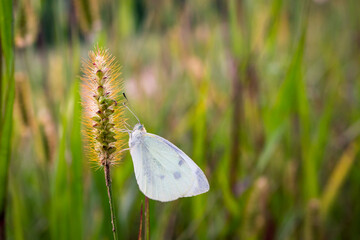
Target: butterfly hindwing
201, 184
161, 172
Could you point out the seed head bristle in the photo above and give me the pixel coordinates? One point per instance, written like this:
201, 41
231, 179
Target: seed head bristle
102, 115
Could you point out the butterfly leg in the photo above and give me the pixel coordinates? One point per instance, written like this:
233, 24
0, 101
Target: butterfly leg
124, 130
125, 149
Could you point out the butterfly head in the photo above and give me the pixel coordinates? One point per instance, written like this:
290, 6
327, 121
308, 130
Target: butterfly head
136, 133
139, 127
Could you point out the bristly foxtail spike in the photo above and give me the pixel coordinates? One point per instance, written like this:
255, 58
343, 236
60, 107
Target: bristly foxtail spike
102, 116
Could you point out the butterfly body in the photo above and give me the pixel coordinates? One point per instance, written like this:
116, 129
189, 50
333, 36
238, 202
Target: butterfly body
164, 172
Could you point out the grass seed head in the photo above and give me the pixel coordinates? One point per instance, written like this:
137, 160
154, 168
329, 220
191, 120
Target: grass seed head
102, 115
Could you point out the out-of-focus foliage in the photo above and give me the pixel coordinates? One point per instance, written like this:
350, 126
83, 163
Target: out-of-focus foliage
7, 96
263, 95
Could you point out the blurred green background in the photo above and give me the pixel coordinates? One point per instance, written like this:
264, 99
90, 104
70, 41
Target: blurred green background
263, 95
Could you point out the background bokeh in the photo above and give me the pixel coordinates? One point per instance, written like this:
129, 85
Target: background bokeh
263, 95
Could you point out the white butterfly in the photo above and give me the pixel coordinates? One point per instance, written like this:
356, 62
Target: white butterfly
164, 172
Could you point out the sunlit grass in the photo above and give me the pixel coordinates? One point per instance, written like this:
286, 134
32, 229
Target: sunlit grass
263, 95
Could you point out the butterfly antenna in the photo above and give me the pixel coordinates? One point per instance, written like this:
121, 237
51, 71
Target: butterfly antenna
129, 108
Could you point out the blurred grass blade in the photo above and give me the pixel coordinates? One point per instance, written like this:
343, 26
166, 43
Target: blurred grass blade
59, 224
274, 23
292, 101
309, 171
321, 135
337, 178
288, 225
67, 187
77, 203
286, 101
237, 42
17, 205
269, 149
6, 33
7, 95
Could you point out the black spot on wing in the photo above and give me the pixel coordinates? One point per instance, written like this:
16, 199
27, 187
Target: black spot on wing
181, 162
177, 175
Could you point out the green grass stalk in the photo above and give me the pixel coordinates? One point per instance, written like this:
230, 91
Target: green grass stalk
109, 192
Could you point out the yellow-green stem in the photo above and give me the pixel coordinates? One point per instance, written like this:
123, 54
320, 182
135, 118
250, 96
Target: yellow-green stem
108, 186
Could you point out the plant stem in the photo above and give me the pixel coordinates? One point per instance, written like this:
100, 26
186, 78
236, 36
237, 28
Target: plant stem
108, 185
147, 219
1, 77
141, 220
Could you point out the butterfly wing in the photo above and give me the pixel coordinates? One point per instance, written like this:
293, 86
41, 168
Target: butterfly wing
201, 184
163, 171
